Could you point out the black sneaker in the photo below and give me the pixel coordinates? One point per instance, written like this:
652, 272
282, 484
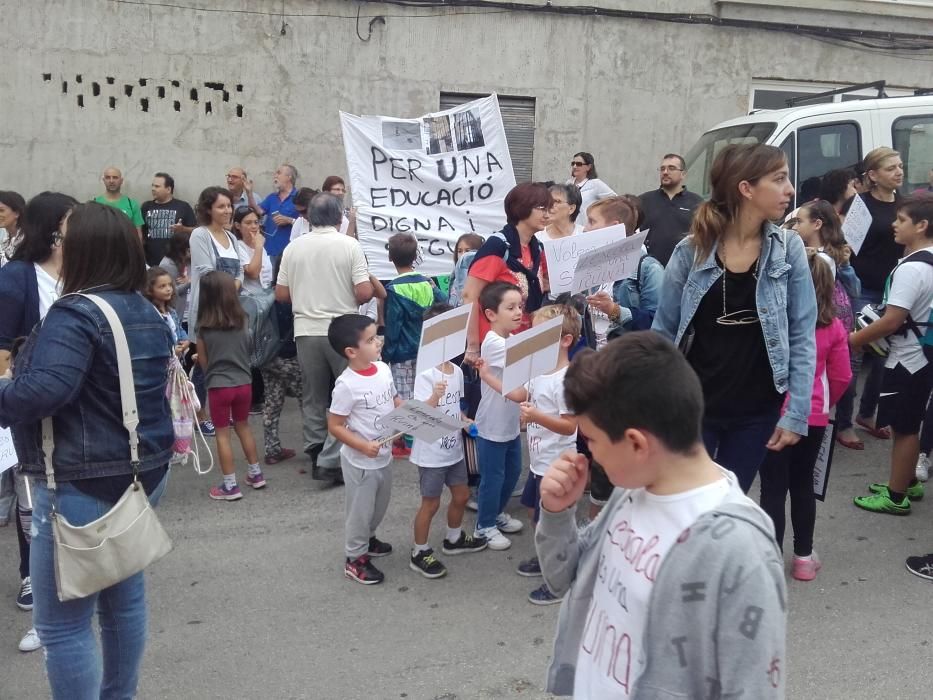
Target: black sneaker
24, 599
529, 567
921, 566
362, 571
378, 548
465, 544
426, 564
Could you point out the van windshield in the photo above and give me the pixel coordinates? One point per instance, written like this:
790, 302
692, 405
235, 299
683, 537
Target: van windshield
700, 157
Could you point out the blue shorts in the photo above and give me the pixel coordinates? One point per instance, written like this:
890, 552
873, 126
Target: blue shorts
531, 494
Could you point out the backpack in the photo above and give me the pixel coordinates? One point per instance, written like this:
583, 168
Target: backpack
403, 321
925, 338
263, 326
843, 305
184, 406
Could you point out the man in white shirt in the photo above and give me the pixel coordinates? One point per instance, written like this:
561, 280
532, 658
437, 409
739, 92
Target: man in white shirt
323, 275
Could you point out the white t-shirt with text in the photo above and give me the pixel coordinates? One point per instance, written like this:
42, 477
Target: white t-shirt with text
449, 449
365, 399
911, 289
497, 418
544, 446
639, 535
49, 290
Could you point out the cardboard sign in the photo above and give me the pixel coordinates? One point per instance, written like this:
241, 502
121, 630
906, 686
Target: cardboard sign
422, 421
443, 337
614, 261
436, 177
562, 254
8, 457
855, 227
531, 354
824, 460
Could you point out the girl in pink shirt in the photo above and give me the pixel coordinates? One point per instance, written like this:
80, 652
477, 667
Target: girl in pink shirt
791, 470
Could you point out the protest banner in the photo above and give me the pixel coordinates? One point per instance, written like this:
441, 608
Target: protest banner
443, 337
531, 353
855, 227
614, 261
422, 421
824, 460
562, 254
7, 452
436, 177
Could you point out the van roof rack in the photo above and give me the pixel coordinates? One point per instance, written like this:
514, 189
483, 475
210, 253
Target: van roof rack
878, 85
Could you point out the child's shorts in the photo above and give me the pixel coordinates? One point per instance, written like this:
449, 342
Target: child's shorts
904, 397
433, 479
531, 494
230, 401
403, 373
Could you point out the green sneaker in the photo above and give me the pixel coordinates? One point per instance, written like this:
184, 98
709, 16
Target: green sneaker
882, 503
914, 493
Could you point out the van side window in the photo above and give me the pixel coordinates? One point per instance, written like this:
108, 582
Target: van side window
791, 154
913, 139
821, 149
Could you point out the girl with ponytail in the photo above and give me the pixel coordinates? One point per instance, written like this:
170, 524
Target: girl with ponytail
738, 299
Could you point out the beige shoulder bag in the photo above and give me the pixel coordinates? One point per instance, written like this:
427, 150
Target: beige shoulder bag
129, 536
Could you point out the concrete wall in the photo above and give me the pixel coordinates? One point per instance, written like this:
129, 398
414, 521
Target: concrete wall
627, 90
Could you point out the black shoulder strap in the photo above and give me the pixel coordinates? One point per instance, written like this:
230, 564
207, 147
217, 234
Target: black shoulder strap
912, 324
638, 273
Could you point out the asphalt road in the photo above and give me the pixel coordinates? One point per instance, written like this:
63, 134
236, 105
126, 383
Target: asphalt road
252, 603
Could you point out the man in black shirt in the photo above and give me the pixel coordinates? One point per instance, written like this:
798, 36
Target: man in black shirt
163, 215
669, 209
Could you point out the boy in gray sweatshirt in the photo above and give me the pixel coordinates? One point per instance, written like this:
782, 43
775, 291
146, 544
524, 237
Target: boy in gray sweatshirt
677, 589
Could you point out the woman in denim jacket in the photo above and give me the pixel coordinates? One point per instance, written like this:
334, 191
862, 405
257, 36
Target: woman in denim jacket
67, 370
748, 334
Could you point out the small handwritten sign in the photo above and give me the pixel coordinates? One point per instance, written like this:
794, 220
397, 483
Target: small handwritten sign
855, 227
562, 254
443, 337
824, 460
8, 457
424, 422
615, 261
531, 354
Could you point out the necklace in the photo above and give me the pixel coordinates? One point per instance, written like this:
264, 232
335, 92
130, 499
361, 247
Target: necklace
742, 317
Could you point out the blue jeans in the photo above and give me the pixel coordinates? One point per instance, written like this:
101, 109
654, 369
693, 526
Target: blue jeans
740, 444
500, 464
75, 668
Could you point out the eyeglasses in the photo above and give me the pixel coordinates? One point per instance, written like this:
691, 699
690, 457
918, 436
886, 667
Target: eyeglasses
671, 168
576, 164
540, 208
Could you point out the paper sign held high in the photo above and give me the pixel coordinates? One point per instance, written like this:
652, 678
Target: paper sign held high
855, 227
563, 254
614, 261
531, 354
443, 337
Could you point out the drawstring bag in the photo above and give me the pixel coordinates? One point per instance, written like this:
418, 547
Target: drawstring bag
184, 405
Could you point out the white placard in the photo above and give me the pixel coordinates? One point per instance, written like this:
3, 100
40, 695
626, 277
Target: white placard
824, 460
443, 337
424, 422
531, 353
614, 261
856, 225
437, 177
562, 254
8, 457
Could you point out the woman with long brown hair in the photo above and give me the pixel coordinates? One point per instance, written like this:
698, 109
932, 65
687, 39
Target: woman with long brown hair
738, 299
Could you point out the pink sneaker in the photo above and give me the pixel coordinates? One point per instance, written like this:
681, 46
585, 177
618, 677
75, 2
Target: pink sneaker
805, 569
257, 481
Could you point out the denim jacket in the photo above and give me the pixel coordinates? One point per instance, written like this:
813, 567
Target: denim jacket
638, 296
786, 307
68, 370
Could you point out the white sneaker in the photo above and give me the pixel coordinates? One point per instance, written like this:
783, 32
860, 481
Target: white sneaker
471, 505
923, 468
506, 523
494, 538
30, 641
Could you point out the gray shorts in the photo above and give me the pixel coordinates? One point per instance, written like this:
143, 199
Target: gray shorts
432, 479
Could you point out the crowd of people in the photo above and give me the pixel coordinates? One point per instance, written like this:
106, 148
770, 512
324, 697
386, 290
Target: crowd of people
719, 359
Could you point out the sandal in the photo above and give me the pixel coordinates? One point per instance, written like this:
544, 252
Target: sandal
879, 433
851, 444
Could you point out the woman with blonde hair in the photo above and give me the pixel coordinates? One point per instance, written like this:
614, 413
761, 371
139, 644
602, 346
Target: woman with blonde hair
738, 299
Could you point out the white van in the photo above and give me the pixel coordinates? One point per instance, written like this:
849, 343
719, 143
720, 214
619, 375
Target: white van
822, 137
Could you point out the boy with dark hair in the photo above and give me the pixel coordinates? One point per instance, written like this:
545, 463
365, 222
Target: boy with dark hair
407, 298
363, 395
908, 373
677, 589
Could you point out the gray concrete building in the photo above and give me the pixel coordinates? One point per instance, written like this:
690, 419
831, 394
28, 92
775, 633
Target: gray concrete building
193, 87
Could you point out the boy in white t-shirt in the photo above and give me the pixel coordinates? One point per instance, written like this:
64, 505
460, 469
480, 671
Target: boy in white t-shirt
363, 395
441, 463
908, 373
677, 589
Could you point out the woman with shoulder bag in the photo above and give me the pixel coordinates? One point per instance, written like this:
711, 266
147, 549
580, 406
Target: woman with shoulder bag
68, 372
738, 299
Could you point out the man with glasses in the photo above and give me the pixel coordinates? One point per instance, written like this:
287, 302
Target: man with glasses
241, 187
669, 209
278, 210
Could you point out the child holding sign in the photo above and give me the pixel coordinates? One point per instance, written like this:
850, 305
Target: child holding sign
498, 446
441, 463
363, 395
